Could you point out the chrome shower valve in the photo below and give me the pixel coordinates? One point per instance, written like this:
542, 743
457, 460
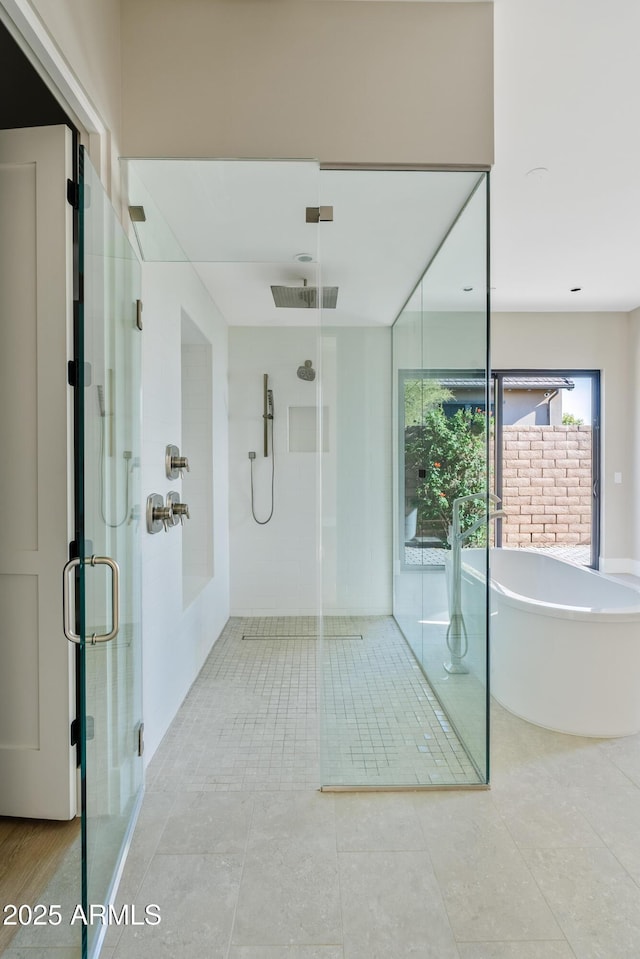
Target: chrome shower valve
179, 511
159, 515
174, 464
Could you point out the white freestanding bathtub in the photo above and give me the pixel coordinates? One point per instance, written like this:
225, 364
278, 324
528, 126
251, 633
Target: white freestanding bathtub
564, 643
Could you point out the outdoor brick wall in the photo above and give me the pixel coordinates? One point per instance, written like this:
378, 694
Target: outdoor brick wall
547, 486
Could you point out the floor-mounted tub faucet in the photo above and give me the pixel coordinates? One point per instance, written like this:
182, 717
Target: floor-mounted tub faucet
457, 640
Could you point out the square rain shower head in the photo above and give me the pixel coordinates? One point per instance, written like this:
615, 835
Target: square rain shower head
305, 297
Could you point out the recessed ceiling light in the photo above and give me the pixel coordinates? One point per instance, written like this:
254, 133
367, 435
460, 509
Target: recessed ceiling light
537, 173
575, 289
304, 257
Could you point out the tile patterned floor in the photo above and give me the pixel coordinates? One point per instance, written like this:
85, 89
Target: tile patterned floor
580, 555
382, 723
545, 865
251, 715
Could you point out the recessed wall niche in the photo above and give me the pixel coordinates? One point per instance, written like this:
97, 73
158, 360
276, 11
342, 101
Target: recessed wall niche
197, 446
303, 429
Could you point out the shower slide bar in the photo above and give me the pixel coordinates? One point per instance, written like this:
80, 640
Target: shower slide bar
267, 411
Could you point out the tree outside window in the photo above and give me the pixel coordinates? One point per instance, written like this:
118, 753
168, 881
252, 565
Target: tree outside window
445, 458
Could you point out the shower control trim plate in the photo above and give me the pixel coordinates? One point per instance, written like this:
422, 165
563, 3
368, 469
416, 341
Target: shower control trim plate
156, 510
174, 464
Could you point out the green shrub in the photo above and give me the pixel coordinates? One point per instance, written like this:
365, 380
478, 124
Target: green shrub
452, 451
568, 419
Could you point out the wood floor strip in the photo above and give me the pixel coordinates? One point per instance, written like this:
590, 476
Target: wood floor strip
31, 851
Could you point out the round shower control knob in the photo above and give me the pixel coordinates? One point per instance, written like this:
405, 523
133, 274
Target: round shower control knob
180, 463
174, 464
163, 514
181, 510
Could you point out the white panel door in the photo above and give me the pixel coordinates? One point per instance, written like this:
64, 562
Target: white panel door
37, 690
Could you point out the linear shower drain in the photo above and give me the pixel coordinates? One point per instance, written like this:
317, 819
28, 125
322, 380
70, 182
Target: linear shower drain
277, 636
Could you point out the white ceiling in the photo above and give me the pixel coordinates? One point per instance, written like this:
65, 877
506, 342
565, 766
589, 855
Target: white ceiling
242, 223
387, 226
567, 94
567, 89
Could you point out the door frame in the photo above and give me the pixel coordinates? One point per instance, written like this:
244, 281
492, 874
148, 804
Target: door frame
37, 44
497, 386
89, 130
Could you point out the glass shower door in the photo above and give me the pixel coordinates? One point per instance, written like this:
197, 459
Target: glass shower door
108, 451
443, 437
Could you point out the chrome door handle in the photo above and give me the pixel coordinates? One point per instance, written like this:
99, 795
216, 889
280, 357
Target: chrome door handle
69, 632
115, 598
67, 625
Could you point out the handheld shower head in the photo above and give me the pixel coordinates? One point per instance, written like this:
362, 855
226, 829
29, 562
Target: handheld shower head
307, 371
101, 405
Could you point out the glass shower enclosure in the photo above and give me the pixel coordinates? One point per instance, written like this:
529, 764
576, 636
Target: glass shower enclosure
108, 518
337, 563
402, 661
442, 504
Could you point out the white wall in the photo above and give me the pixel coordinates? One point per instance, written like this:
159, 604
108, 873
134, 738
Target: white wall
197, 482
357, 472
89, 37
383, 82
599, 341
274, 568
634, 412
378, 82
176, 641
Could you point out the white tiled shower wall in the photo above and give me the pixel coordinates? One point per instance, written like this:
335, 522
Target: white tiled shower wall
274, 568
176, 640
197, 483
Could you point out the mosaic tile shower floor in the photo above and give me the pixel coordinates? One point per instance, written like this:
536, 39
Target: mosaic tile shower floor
252, 722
